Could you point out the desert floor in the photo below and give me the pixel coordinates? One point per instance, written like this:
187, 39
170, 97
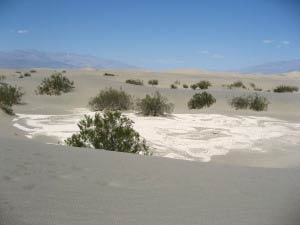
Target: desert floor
248, 173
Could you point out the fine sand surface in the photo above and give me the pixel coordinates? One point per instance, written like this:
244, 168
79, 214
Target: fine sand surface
247, 173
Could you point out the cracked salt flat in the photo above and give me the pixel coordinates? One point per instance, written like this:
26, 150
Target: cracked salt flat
182, 136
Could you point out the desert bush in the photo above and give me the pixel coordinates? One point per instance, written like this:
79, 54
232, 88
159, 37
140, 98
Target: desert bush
111, 99
254, 102
135, 82
285, 88
111, 131
204, 84
55, 85
185, 86
9, 96
200, 100
237, 84
153, 82
252, 85
240, 102
109, 74
27, 74
21, 76
257, 89
64, 71
173, 86
18, 72
32, 71
259, 103
194, 86
155, 105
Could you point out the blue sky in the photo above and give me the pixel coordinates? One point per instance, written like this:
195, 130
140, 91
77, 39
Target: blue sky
153, 34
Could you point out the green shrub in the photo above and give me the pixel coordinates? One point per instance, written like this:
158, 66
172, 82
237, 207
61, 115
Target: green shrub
257, 89
254, 102
173, 86
153, 82
240, 102
237, 84
155, 105
109, 74
64, 71
285, 88
18, 72
111, 99
32, 71
55, 85
9, 96
185, 86
204, 84
111, 131
200, 100
21, 76
27, 74
194, 86
135, 82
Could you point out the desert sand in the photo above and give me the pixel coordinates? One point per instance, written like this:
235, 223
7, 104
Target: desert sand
247, 172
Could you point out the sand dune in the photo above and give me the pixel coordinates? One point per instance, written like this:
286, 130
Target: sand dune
251, 174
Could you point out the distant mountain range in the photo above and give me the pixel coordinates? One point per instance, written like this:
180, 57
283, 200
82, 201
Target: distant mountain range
273, 67
38, 59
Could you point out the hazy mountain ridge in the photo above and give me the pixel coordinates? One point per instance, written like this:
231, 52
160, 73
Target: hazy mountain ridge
273, 67
38, 59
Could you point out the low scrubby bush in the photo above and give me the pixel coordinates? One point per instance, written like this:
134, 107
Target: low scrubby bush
155, 105
177, 82
27, 74
254, 102
109, 74
135, 82
111, 131
285, 88
111, 99
153, 82
173, 86
204, 84
64, 71
9, 96
32, 71
55, 85
237, 84
200, 100
194, 86
185, 86
21, 76
2, 77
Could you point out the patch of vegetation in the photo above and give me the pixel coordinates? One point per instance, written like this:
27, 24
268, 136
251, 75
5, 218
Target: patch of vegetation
2, 77
18, 72
9, 96
173, 86
135, 82
32, 71
237, 84
257, 89
254, 102
111, 131
204, 84
21, 76
285, 88
185, 86
153, 82
155, 105
55, 85
194, 86
27, 74
109, 74
200, 100
64, 71
111, 99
